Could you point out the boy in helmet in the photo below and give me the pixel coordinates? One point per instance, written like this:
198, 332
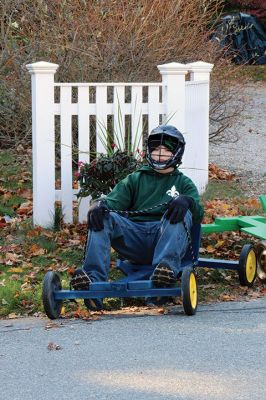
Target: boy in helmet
157, 237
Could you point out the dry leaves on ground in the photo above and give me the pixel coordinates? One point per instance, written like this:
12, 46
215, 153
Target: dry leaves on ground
217, 173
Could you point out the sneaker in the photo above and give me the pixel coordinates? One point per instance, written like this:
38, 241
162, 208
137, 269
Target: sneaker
163, 276
80, 280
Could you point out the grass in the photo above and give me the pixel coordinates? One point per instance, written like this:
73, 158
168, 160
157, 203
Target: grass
256, 73
27, 252
15, 176
222, 190
13, 300
253, 73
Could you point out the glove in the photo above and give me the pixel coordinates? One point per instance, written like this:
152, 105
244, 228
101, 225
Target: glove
96, 214
178, 208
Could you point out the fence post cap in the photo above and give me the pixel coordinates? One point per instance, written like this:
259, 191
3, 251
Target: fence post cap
173, 68
199, 66
42, 67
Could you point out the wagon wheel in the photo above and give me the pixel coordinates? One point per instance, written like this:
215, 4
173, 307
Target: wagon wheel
51, 306
247, 265
189, 291
261, 260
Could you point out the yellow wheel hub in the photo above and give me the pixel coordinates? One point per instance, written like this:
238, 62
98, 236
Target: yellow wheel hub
193, 290
251, 266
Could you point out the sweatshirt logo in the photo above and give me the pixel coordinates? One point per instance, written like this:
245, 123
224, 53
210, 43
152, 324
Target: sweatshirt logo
172, 192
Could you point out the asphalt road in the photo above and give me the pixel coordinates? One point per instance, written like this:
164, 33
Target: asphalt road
220, 353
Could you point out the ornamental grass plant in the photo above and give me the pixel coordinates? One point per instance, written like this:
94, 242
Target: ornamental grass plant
98, 177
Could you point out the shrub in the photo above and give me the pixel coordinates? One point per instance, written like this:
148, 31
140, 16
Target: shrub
101, 175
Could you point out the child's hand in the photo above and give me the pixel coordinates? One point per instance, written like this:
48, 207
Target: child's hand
178, 208
96, 214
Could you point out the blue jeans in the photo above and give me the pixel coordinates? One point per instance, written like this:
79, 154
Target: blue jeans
141, 242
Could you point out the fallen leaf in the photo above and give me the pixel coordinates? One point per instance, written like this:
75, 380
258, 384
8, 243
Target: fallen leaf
51, 325
53, 346
220, 243
20, 148
7, 196
255, 295
11, 257
9, 238
26, 193
14, 277
202, 250
26, 287
15, 270
13, 316
33, 233
48, 234
26, 265
25, 208
217, 173
227, 297
36, 250
210, 249
74, 242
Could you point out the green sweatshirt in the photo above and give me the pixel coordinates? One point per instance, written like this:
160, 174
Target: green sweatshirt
146, 188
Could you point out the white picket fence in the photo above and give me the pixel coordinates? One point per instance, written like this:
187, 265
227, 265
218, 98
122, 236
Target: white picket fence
186, 102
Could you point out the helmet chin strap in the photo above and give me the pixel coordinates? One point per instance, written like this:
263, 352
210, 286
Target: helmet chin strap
166, 167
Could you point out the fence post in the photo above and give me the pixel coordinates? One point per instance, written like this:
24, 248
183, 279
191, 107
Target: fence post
200, 71
43, 141
173, 78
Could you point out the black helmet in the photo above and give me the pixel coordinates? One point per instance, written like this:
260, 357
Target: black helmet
170, 137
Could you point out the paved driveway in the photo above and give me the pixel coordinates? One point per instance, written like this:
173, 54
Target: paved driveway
219, 353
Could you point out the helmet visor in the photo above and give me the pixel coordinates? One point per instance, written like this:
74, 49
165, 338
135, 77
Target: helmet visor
169, 142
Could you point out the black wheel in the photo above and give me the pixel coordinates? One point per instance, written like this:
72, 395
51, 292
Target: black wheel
189, 291
261, 260
247, 268
51, 306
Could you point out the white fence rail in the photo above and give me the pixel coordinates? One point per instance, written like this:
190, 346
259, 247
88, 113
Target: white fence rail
186, 102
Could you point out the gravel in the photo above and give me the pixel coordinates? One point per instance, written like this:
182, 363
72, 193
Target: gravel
247, 157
